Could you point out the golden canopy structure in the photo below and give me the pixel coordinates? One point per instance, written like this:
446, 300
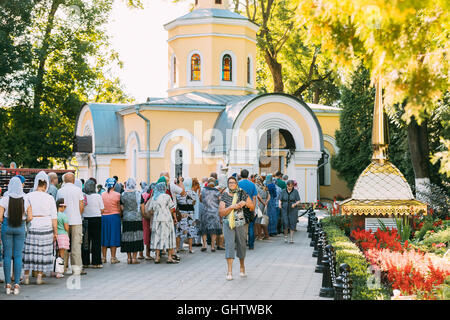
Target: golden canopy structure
381, 189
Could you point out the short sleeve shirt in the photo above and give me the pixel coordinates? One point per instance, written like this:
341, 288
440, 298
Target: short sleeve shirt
111, 201
4, 202
72, 196
94, 206
44, 209
62, 219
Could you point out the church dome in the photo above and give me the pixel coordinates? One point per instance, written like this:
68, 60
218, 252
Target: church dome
382, 182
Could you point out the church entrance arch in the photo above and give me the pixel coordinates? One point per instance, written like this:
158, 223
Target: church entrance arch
275, 150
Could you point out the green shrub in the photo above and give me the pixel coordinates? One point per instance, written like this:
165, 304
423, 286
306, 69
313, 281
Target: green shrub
347, 252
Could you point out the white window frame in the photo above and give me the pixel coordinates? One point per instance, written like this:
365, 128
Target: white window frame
202, 67
233, 68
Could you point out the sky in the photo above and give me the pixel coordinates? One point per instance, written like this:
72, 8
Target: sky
140, 39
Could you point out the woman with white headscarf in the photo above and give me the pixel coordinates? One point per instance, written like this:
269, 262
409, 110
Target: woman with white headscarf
43, 230
12, 217
132, 240
163, 232
186, 228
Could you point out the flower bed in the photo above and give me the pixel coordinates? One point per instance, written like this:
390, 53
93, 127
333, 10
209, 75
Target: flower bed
411, 271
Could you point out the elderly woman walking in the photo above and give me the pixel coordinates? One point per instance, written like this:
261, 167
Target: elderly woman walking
163, 231
235, 228
209, 217
289, 200
132, 232
186, 228
92, 225
147, 223
43, 230
14, 211
263, 200
111, 221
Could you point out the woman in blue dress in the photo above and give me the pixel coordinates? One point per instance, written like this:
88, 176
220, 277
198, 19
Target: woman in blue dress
272, 206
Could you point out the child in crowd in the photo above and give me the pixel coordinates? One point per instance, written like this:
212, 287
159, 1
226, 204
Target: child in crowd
63, 229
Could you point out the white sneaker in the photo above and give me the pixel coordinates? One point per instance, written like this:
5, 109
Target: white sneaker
229, 276
8, 289
26, 280
285, 240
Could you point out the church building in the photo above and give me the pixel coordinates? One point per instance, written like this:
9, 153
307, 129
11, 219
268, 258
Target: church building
213, 119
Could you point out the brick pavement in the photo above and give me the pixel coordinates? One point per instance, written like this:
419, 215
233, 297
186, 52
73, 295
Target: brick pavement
276, 271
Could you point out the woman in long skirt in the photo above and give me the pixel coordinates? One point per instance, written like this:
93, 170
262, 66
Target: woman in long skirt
163, 231
43, 230
272, 206
186, 228
132, 232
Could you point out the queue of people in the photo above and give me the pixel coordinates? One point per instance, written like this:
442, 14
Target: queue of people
82, 220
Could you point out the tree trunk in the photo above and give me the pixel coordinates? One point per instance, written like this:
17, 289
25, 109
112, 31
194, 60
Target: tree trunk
43, 54
317, 93
275, 70
419, 151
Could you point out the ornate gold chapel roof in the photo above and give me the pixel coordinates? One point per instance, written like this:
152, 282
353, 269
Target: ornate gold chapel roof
381, 189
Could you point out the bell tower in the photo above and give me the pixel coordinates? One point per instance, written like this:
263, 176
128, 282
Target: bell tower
212, 50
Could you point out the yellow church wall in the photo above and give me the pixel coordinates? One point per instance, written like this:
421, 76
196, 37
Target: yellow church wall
209, 28
280, 108
211, 49
337, 186
329, 123
198, 168
118, 168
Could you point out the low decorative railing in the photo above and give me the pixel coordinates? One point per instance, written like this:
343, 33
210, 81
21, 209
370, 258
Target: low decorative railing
334, 286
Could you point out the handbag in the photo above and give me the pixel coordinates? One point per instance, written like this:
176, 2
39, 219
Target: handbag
259, 213
58, 266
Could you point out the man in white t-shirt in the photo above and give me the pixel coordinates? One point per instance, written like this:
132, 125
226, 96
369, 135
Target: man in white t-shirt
73, 198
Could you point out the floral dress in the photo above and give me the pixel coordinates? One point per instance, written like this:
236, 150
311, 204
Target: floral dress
186, 228
163, 232
209, 216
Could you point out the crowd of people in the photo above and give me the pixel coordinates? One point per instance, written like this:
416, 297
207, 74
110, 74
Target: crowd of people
81, 220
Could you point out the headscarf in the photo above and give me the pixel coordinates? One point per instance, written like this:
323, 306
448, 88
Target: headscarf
160, 189
143, 186
162, 179
41, 176
79, 184
22, 178
272, 190
89, 187
295, 185
187, 184
222, 179
130, 185
212, 181
15, 189
110, 182
268, 179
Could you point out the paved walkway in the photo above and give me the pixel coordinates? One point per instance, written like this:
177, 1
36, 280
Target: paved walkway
276, 270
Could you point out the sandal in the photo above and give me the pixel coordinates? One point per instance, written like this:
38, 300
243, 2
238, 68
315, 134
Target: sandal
172, 261
220, 248
203, 249
103, 260
97, 266
149, 258
134, 261
175, 257
213, 249
114, 260
128, 261
191, 251
141, 257
158, 261
229, 276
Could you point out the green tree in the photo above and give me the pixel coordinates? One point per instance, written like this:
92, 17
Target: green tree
405, 42
70, 63
354, 138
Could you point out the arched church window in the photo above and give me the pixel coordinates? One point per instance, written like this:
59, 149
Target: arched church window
178, 163
248, 70
226, 68
218, 1
195, 67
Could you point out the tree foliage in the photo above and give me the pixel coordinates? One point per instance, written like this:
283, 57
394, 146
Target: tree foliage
69, 64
